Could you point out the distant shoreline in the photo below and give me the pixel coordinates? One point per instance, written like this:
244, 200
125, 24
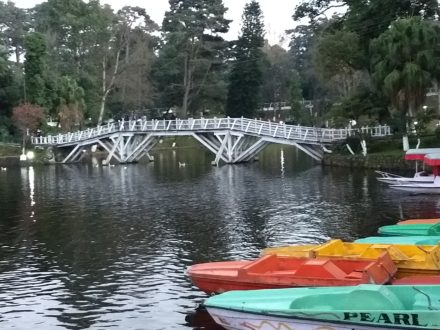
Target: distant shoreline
372, 161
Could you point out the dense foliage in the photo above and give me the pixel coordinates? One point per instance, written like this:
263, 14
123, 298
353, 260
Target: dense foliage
246, 75
83, 63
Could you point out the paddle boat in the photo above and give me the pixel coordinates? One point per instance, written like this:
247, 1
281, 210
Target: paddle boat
271, 271
409, 259
419, 221
419, 188
403, 240
417, 280
411, 230
419, 176
362, 307
433, 160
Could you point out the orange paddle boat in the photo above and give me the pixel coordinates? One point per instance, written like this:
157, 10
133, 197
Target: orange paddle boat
272, 271
417, 280
419, 221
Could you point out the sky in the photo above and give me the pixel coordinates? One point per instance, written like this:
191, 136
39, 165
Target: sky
277, 13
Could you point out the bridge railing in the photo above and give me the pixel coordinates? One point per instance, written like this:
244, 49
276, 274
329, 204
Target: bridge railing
248, 126
432, 91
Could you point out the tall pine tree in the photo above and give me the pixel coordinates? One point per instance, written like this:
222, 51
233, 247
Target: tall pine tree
246, 77
193, 51
34, 68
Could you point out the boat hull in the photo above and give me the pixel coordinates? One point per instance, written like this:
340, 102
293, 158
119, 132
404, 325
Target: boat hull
415, 189
234, 320
419, 177
418, 280
406, 180
411, 230
402, 240
419, 221
365, 306
271, 272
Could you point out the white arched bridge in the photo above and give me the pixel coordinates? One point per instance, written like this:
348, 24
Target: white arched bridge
232, 140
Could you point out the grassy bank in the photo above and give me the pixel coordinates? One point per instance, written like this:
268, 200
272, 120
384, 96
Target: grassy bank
383, 153
8, 150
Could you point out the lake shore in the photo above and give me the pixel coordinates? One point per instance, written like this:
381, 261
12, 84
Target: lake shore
9, 157
372, 161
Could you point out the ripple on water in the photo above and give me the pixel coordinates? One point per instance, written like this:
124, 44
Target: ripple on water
107, 248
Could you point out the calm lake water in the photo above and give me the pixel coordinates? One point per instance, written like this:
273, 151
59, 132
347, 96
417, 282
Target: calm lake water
86, 247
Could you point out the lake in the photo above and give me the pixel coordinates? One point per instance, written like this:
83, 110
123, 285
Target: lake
89, 247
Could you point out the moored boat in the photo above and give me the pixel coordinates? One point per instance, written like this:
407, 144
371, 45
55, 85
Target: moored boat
430, 159
357, 308
411, 230
419, 177
409, 259
403, 240
417, 280
419, 221
419, 188
271, 271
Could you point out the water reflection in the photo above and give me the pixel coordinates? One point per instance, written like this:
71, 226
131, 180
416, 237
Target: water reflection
200, 319
282, 163
86, 246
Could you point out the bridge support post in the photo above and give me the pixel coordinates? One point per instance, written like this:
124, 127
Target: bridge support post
231, 147
75, 155
314, 151
128, 148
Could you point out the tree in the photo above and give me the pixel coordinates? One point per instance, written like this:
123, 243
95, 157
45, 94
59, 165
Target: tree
276, 74
372, 16
365, 106
246, 77
193, 50
8, 91
368, 19
27, 117
301, 47
295, 98
70, 104
81, 45
405, 61
133, 90
338, 60
14, 24
35, 68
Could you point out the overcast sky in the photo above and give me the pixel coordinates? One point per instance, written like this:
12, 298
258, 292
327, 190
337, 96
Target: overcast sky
277, 13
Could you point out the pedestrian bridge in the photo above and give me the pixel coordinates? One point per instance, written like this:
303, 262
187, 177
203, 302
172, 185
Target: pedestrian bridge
232, 140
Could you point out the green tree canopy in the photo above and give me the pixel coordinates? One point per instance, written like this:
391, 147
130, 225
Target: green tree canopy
8, 85
70, 104
405, 62
246, 77
193, 51
338, 59
35, 67
14, 24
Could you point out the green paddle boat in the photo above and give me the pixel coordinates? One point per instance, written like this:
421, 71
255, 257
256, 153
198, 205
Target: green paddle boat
361, 307
402, 240
411, 230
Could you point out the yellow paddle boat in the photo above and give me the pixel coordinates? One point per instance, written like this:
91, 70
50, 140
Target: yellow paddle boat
409, 259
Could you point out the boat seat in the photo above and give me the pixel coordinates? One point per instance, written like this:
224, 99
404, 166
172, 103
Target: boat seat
360, 298
355, 274
425, 300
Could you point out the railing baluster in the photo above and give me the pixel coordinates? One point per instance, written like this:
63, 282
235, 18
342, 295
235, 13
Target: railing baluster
254, 126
